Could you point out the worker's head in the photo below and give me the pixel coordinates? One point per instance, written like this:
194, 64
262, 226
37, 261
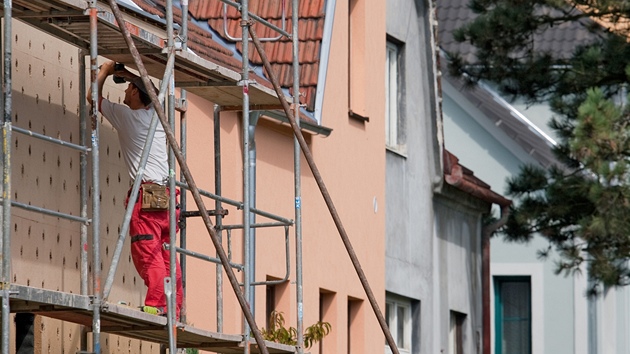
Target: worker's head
136, 85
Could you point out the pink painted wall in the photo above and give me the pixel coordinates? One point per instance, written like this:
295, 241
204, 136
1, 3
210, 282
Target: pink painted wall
352, 163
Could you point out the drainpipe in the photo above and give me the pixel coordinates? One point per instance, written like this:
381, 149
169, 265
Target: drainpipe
253, 121
456, 179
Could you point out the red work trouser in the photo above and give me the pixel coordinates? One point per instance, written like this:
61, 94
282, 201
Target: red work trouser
149, 230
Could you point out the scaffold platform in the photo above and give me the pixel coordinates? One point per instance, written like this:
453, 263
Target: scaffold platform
69, 21
127, 321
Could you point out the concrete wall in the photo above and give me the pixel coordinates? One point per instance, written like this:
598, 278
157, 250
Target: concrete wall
458, 236
352, 161
409, 187
432, 244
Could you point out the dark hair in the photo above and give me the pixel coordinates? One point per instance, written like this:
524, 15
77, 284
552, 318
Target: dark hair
144, 97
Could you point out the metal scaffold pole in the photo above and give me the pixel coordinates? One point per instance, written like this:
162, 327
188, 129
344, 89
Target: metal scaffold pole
83, 189
6, 178
171, 305
324, 191
189, 178
218, 206
183, 142
298, 184
96, 211
246, 176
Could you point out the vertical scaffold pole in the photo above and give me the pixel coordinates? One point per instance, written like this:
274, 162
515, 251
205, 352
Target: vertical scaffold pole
246, 178
171, 184
219, 218
6, 178
298, 183
96, 210
83, 188
183, 142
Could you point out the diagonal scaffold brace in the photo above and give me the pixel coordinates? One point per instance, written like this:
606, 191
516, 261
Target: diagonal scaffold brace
322, 187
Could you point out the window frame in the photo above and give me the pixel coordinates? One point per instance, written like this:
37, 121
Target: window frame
398, 303
392, 71
394, 119
499, 319
457, 326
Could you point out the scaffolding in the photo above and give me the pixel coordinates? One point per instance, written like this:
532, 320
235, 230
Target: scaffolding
95, 28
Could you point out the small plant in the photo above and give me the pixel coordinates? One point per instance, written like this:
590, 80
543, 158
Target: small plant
278, 333
192, 351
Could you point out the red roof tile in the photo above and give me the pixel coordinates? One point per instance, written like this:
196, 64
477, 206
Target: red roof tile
464, 179
280, 53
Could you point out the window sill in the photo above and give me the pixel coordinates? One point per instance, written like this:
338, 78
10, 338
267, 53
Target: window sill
397, 150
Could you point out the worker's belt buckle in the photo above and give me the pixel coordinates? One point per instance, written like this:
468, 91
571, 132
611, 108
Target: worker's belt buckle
154, 197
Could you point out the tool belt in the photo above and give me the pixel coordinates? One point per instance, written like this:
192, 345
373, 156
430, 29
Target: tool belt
154, 197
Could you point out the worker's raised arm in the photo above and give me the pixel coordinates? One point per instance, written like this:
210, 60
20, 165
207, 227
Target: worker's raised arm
105, 70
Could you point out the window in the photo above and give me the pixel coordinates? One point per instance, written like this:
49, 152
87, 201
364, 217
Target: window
456, 333
355, 326
513, 315
357, 74
270, 305
399, 320
327, 313
277, 293
393, 98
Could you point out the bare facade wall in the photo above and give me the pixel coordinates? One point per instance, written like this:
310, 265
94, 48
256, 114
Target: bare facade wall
46, 249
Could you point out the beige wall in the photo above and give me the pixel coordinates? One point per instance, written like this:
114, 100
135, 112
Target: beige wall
45, 250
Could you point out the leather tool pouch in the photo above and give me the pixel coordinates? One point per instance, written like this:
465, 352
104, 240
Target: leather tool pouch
154, 197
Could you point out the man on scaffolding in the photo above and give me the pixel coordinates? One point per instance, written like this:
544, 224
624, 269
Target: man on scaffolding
149, 227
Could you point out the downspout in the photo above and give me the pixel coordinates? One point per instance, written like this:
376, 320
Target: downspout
456, 179
253, 121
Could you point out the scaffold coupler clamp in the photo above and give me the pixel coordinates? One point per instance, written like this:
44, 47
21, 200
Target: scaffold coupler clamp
248, 22
248, 82
5, 288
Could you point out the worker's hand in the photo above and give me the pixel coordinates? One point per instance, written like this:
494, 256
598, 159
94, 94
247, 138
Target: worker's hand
108, 67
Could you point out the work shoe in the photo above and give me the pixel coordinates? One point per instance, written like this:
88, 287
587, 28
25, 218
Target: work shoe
152, 310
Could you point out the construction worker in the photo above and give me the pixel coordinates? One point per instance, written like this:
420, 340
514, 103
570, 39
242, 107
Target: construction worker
149, 227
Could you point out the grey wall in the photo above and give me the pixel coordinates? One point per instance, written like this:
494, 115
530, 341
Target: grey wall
419, 265
409, 211
458, 234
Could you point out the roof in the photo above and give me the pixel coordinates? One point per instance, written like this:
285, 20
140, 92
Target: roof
506, 119
464, 179
559, 40
562, 39
213, 43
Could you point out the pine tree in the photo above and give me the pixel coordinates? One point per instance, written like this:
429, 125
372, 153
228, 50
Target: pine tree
583, 206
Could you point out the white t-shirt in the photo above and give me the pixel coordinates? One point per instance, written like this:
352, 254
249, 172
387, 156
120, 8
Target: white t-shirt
132, 127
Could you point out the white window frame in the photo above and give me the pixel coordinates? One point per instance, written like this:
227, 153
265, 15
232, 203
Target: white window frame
391, 96
393, 305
